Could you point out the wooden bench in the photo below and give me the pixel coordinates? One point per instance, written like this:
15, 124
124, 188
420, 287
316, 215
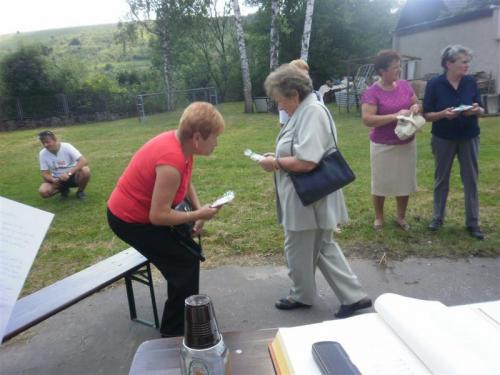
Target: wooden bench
42, 304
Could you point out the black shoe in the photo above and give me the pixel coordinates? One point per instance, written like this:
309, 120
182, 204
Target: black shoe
80, 195
435, 224
476, 233
348, 310
286, 304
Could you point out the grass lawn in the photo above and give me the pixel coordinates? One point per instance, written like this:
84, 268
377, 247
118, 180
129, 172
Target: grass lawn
246, 231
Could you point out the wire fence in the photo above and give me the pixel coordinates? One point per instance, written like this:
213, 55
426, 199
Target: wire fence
81, 107
79, 103
151, 103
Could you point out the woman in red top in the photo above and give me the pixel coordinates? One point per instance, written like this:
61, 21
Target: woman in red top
140, 208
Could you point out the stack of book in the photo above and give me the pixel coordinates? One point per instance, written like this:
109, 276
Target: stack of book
404, 336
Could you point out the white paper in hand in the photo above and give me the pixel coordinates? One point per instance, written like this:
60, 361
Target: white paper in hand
252, 155
462, 108
226, 198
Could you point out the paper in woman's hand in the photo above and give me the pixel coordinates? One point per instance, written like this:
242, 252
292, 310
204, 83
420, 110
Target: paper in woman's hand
226, 198
462, 108
252, 155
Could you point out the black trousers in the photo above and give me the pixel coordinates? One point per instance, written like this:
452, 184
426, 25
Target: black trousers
180, 267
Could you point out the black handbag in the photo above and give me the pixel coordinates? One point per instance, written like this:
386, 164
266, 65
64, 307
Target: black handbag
331, 174
185, 229
183, 232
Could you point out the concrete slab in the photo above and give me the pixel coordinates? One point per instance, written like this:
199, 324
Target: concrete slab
96, 335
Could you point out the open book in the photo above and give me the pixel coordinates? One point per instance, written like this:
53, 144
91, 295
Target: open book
404, 336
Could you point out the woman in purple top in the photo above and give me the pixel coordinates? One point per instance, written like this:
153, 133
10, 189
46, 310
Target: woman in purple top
393, 161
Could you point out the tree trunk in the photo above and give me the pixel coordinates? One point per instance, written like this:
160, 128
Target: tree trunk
245, 69
167, 71
274, 36
159, 17
306, 35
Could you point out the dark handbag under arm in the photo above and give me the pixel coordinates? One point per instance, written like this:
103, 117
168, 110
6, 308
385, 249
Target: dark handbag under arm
183, 232
331, 174
185, 228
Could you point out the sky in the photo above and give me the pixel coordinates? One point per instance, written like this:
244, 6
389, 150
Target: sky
32, 15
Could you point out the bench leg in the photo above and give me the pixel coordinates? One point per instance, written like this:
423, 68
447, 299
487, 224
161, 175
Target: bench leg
130, 297
145, 277
152, 294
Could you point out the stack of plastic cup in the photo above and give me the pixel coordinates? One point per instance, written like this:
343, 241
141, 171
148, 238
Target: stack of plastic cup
203, 350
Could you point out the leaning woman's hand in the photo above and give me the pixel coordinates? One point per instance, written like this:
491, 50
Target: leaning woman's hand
269, 164
206, 212
198, 227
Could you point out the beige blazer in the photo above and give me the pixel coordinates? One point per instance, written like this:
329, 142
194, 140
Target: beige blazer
313, 139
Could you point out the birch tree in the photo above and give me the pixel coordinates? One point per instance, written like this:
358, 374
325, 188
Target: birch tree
160, 17
306, 35
245, 69
274, 43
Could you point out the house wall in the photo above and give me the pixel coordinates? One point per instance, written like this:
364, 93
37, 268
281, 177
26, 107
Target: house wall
482, 35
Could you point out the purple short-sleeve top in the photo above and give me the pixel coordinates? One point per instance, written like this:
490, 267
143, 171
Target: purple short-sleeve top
388, 102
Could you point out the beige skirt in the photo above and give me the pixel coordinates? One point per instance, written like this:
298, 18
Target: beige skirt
394, 169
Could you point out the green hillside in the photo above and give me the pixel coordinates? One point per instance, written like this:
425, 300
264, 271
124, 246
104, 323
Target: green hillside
93, 48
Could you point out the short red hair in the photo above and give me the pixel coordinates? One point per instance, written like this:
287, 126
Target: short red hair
201, 117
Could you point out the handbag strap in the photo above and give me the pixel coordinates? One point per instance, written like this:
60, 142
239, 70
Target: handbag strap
329, 123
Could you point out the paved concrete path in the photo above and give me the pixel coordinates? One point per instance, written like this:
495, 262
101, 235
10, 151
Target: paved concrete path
96, 335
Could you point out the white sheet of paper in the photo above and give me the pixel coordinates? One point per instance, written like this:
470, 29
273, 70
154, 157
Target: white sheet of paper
22, 229
226, 198
462, 108
252, 155
448, 340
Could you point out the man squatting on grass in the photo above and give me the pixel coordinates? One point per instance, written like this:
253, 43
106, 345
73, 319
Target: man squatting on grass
62, 167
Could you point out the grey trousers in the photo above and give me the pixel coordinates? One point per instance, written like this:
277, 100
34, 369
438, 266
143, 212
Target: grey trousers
467, 151
304, 250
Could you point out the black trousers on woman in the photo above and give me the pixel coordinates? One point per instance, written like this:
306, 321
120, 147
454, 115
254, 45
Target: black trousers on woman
180, 267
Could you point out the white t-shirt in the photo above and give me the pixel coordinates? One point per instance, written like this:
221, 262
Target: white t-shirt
65, 159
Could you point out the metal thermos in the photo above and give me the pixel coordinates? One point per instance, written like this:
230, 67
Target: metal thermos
203, 350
